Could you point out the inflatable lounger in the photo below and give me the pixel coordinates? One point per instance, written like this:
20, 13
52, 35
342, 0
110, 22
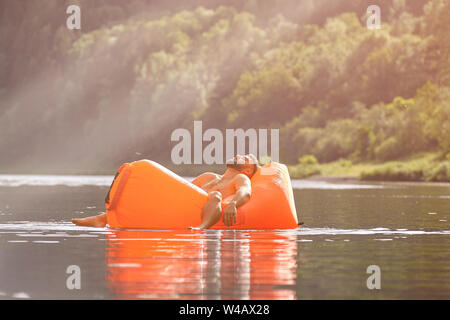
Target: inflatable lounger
146, 195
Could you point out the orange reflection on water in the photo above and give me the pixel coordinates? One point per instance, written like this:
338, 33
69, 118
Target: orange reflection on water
215, 264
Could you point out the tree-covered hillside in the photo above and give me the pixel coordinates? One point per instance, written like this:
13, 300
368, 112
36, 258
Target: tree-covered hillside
115, 90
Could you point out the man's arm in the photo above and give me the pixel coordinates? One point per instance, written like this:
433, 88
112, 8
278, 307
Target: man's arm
243, 192
204, 178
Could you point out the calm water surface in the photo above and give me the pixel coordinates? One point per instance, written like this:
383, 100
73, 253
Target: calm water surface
402, 228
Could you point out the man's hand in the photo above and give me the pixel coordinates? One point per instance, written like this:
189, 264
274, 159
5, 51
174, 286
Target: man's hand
229, 215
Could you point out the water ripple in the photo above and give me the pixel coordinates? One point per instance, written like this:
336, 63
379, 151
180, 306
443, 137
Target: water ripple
34, 227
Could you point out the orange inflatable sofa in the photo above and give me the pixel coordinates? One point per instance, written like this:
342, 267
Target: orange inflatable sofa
146, 195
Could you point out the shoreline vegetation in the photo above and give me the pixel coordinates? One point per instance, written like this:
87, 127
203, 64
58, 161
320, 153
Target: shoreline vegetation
117, 89
421, 167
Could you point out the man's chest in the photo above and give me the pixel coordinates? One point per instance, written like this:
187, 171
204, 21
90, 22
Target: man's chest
223, 186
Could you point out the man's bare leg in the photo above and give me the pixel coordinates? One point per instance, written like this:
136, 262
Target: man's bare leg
95, 221
212, 211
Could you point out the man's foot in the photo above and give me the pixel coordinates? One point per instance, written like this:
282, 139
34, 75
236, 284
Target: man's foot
96, 221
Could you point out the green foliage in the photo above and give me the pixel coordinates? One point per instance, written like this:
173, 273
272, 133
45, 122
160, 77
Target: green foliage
139, 69
440, 172
419, 171
365, 138
264, 160
308, 159
438, 111
383, 132
389, 149
395, 172
301, 171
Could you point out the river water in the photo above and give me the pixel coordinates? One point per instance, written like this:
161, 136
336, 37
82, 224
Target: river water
402, 228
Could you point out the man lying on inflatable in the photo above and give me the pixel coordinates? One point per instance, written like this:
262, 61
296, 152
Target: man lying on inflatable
234, 182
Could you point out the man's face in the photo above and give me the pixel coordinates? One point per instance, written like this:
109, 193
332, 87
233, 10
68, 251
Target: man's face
244, 164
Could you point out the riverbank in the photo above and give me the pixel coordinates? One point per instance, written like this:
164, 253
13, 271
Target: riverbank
423, 167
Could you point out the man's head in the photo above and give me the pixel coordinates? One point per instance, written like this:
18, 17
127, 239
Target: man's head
247, 164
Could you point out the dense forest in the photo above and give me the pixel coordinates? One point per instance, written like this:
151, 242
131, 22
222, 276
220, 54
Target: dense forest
116, 89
